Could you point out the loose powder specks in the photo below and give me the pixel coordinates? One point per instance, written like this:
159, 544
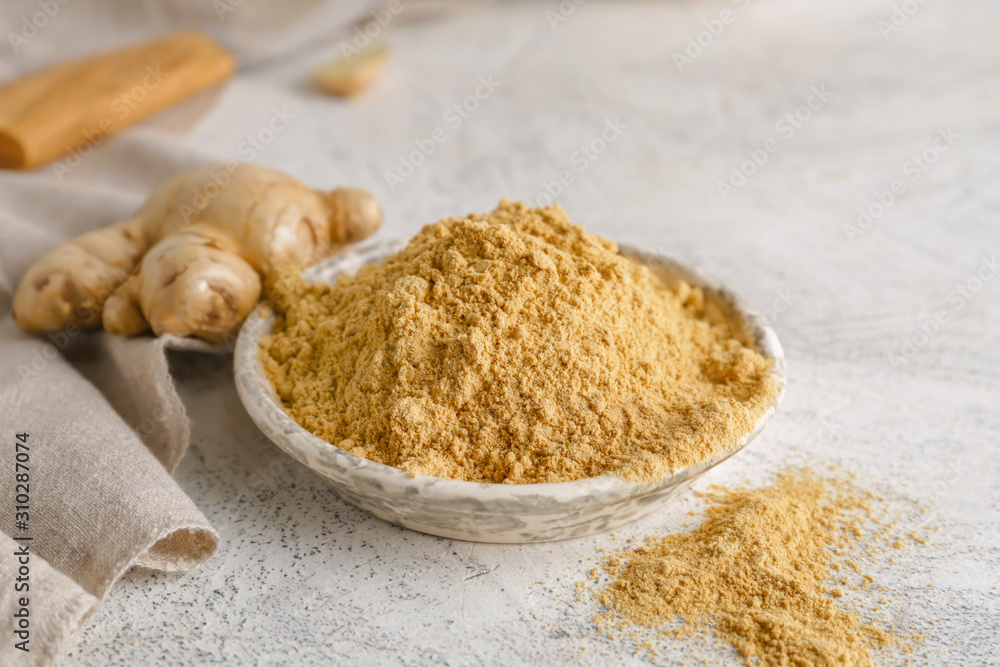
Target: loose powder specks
514, 347
758, 573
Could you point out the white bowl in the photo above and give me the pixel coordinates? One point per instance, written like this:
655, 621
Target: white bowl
470, 510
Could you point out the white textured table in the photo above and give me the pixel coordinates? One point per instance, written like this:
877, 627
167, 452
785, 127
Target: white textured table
876, 384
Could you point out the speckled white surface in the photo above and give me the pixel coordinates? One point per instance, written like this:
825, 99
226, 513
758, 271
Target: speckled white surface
304, 578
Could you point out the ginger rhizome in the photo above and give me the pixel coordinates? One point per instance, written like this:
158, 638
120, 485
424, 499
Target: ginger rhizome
189, 262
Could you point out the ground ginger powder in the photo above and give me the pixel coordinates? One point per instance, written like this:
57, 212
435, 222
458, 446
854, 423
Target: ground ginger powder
513, 347
758, 573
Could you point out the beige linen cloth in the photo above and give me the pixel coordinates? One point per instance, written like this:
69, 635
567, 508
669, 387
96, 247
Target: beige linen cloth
105, 428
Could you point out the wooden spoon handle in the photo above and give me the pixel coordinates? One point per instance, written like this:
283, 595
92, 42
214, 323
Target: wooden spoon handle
50, 112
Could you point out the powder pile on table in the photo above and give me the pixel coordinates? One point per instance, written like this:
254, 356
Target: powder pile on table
514, 347
759, 573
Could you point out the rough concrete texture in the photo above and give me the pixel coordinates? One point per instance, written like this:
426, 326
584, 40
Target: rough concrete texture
304, 578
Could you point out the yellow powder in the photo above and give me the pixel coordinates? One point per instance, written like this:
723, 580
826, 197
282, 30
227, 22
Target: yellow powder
514, 347
757, 573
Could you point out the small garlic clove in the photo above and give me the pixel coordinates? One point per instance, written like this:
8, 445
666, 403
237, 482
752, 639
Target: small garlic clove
351, 74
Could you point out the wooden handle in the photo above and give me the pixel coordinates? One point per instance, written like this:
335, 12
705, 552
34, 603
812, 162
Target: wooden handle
48, 113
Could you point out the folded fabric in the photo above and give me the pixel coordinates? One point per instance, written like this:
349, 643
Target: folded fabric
103, 421
96, 500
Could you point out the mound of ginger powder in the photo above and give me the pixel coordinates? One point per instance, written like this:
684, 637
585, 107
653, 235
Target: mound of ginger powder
513, 347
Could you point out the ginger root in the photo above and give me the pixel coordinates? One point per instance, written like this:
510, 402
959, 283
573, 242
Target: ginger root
350, 75
190, 261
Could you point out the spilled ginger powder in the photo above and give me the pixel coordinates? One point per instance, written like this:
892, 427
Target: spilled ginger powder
514, 347
758, 573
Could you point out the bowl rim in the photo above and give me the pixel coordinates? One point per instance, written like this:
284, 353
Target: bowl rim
249, 374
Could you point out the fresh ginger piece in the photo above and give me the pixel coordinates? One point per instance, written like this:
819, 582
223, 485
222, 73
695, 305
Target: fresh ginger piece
122, 314
349, 75
190, 261
71, 281
190, 283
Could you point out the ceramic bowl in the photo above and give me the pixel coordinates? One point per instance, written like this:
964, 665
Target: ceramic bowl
477, 511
